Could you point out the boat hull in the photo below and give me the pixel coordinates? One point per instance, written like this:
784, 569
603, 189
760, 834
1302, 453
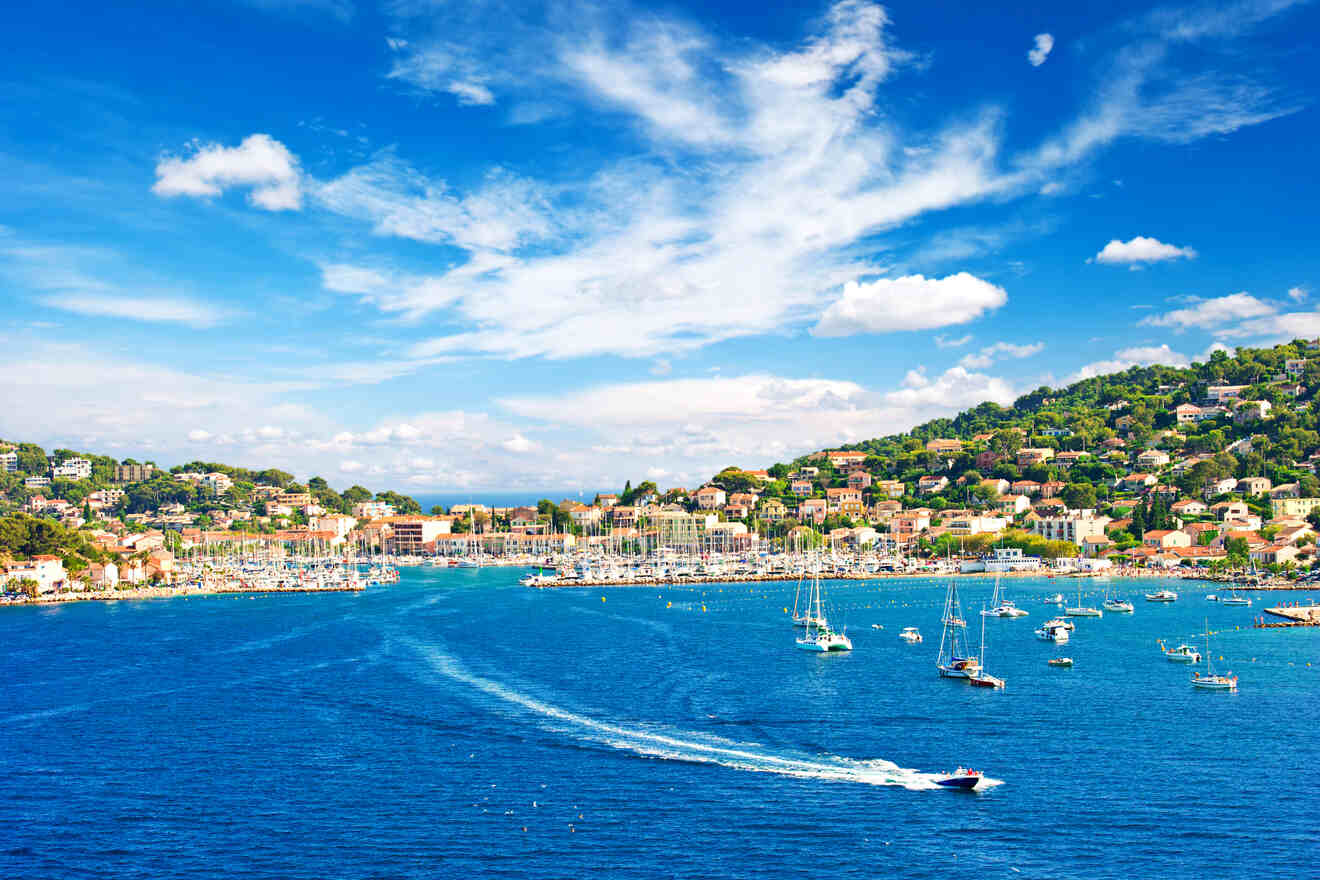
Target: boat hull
959, 783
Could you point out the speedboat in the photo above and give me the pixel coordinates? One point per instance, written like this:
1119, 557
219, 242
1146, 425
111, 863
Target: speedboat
1118, 606
1061, 662
1183, 654
1162, 596
963, 780
910, 634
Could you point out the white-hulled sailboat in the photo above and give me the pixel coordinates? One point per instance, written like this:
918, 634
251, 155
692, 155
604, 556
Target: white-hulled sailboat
1081, 610
955, 660
1001, 607
1211, 681
981, 678
819, 638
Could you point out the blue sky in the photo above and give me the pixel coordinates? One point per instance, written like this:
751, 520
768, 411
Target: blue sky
441, 246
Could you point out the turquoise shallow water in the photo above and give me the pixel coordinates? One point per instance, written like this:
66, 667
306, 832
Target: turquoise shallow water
457, 723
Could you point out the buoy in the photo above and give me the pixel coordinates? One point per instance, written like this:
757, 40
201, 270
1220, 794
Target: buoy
703, 609
602, 598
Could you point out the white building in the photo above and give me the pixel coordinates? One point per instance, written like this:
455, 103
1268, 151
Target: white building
372, 510
1075, 526
47, 571
73, 469
9, 461
216, 483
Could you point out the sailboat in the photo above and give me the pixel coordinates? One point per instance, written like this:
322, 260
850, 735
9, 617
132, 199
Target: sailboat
818, 637
981, 678
1211, 681
1000, 607
957, 662
1115, 604
1082, 610
807, 615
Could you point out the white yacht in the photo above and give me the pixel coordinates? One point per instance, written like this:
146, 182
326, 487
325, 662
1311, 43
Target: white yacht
1162, 596
1212, 681
1183, 654
819, 638
911, 635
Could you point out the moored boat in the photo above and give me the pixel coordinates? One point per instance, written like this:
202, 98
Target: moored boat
910, 634
1183, 654
1162, 596
1061, 662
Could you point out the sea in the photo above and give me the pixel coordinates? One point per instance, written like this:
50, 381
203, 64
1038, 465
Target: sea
457, 724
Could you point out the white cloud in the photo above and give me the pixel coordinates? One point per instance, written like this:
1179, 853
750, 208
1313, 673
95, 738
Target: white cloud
351, 466
958, 342
1135, 356
259, 162
471, 94
1044, 44
661, 367
988, 355
162, 309
1298, 294
1213, 314
1141, 250
518, 443
1281, 327
911, 302
197, 435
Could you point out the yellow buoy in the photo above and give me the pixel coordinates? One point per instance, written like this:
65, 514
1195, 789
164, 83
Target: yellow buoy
602, 598
703, 609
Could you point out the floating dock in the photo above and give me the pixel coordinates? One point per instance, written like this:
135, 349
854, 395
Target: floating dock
1290, 615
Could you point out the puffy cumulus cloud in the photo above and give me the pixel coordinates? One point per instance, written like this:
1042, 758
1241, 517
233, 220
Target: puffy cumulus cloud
1043, 45
988, 355
1140, 250
1298, 294
259, 162
911, 302
1213, 314
1135, 356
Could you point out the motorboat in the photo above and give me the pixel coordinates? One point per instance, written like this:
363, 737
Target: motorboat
1061, 662
1063, 622
1118, 606
1183, 654
961, 779
985, 680
911, 635
1162, 596
1056, 634
1056, 599
1005, 609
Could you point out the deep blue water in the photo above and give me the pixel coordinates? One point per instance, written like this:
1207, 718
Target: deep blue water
459, 724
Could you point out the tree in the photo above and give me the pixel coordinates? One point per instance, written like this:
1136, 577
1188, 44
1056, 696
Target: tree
1079, 496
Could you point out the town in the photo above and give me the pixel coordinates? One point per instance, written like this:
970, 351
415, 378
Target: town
1155, 469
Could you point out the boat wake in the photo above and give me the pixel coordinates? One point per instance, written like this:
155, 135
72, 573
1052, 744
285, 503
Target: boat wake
687, 746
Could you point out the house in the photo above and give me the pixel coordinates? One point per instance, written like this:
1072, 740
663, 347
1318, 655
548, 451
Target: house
1272, 554
746, 499
736, 511
1026, 457
1012, 505
72, 469
608, 501
812, 510
1124, 423
1219, 487
1286, 490
943, 446
801, 488
1197, 529
335, 523
929, 485
1137, 481
1223, 393
977, 525
1293, 534
1050, 488
1067, 459
1056, 432
623, 516
45, 569
1025, 487
987, 459
845, 501
1075, 526
1253, 485
1251, 411
998, 486
371, 510
103, 575
1152, 458
1163, 539
1254, 541
1186, 412
889, 488
773, 510
1297, 508
845, 460
710, 498
761, 476
1187, 507
1294, 367
911, 522
1228, 509
859, 480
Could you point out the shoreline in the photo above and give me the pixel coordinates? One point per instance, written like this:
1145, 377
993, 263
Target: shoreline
149, 593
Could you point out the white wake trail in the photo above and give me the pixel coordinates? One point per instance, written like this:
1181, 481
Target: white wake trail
684, 746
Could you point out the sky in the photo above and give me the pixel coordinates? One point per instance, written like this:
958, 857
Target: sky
443, 247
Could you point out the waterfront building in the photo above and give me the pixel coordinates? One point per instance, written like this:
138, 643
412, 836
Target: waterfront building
47, 570
1076, 526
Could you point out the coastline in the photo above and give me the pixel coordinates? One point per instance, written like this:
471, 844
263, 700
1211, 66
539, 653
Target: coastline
147, 593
